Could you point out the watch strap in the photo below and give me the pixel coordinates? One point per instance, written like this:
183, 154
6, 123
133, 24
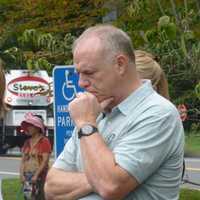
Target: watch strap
94, 130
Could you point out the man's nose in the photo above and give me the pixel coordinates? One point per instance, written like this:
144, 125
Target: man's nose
83, 82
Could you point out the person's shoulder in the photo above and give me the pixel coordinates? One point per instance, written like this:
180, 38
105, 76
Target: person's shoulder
45, 143
45, 139
159, 105
166, 104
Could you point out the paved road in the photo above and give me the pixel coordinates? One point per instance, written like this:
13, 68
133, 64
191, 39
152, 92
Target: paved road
192, 173
9, 168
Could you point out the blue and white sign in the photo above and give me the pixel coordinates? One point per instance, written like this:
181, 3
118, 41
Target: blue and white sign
65, 82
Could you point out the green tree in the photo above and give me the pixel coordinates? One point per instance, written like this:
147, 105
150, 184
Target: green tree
35, 50
57, 16
171, 31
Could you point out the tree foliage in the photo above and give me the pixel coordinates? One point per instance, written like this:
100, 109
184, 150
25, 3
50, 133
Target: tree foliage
37, 34
36, 50
58, 16
171, 31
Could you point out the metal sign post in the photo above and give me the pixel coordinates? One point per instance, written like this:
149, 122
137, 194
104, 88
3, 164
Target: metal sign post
65, 82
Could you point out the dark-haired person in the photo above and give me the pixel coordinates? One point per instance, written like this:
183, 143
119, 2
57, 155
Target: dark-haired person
3, 148
2, 89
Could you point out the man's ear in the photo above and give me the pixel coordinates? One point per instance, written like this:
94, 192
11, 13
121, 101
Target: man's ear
122, 64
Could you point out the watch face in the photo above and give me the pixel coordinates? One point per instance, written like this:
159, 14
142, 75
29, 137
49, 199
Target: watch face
87, 129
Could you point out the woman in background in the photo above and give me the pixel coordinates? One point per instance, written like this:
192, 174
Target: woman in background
148, 68
35, 157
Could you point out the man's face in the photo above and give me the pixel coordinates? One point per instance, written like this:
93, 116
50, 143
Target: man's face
97, 75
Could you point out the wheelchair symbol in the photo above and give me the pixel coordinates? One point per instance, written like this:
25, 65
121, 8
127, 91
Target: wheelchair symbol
68, 89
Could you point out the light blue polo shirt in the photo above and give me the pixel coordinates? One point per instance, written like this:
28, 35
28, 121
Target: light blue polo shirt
146, 136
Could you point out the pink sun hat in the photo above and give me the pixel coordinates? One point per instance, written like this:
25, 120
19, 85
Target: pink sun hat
34, 120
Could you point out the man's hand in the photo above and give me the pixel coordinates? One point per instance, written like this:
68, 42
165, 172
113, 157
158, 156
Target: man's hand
85, 108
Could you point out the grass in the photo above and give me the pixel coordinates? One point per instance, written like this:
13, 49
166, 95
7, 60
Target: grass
192, 145
187, 194
11, 188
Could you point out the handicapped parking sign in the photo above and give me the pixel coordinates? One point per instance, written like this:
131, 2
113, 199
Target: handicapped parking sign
65, 84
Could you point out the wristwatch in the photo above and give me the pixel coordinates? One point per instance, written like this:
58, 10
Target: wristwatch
87, 130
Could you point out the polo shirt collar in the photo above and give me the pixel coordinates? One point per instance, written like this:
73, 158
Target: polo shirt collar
136, 97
